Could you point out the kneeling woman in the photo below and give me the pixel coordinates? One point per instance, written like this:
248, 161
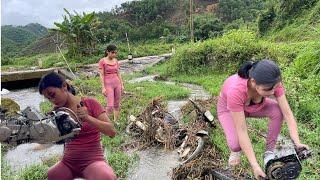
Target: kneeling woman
83, 156
246, 94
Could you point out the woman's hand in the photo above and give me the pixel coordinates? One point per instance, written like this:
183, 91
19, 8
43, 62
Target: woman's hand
122, 89
302, 146
258, 172
104, 91
82, 113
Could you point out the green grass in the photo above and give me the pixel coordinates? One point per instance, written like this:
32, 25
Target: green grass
121, 162
49, 60
46, 107
34, 172
140, 49
150, 90
210, 81
6, 172
305, 27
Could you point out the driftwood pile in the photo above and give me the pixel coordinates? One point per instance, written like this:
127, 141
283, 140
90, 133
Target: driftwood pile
154, 126
200, 158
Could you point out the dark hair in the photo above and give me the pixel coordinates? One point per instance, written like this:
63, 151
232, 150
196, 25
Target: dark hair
110, 47
264, 72
53, 79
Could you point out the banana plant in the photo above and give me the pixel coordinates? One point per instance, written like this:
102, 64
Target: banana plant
80, 32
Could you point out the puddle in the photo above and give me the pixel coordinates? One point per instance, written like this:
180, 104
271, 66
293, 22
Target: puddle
154, 164
28, 154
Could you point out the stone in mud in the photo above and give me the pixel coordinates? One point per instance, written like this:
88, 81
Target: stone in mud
9, 106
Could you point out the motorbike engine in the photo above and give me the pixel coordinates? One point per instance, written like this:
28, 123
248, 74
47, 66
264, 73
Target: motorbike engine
286, 163
59, 126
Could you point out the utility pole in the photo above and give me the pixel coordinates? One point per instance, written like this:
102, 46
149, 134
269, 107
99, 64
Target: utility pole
130, 54
191, 21
128, 42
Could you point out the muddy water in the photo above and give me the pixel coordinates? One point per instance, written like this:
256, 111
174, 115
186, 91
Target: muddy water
32, 153
25, 97
154, 164
29, 154
196, 92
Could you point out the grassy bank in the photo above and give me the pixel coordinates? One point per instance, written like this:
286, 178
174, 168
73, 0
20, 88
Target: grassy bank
210, 62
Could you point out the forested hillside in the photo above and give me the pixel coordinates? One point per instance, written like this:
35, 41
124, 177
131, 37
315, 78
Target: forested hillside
15, 38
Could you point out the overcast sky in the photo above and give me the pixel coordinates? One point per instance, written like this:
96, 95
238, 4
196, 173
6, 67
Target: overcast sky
45, 12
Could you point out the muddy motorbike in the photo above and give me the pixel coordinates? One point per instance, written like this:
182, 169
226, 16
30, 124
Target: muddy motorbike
59, 126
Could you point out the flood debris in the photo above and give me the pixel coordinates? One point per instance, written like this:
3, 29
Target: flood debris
160, 78
205, 163
198, 155
199, 158
154, 126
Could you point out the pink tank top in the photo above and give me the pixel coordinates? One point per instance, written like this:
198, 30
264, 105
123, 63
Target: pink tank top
234, 94
108, 68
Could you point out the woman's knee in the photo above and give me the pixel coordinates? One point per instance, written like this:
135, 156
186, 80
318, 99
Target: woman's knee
271, 110
230, 132
234, 146
53, 170
116, 107
99, 170
59, 171
117, 100
110, 109
108, 173
51, 173
275, 114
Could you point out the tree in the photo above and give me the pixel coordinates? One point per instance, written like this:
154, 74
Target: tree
207, 26
265, 20
80, 33
230, 10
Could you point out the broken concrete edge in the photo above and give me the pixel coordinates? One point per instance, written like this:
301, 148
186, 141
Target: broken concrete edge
33, 74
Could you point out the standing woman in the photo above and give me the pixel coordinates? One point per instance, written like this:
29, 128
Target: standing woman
83, 156
111, 81
246, 94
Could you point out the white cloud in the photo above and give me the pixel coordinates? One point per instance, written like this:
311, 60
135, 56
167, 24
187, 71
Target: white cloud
45, 12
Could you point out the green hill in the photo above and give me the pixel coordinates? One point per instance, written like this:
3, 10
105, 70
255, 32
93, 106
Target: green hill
292, 21
15, 38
